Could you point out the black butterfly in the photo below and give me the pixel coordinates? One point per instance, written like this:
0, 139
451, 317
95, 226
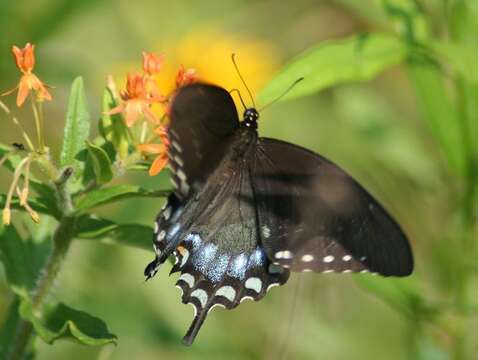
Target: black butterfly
246, 210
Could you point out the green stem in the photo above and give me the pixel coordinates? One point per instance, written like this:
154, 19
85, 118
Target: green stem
38, 126
62, 239
467, 214
41, 125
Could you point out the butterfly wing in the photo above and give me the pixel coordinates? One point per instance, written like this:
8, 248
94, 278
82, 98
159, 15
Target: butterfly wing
220, 258
315, 217
203, 118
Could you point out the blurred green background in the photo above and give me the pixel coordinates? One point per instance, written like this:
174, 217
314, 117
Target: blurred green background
377, 130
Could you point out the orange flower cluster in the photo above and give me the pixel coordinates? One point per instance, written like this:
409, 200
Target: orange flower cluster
141, 93
25, 61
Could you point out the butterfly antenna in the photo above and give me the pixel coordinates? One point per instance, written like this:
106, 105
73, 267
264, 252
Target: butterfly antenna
283, 94
242, 79
240, 97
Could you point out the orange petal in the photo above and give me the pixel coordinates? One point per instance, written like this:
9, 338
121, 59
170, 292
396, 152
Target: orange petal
17, 53
158, 164
116, 110
151, 148
132, 112
44, 94
23, 91
28, 57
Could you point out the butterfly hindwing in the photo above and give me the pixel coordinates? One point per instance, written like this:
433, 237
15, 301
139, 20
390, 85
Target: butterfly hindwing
216, 239
313, 216
203, 118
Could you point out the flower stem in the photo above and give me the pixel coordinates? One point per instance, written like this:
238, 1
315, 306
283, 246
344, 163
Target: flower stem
62, 239
38, 125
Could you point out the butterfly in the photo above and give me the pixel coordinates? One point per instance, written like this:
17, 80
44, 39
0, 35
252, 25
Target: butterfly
247, 210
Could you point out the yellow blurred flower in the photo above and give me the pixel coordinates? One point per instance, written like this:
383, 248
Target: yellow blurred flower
208, 51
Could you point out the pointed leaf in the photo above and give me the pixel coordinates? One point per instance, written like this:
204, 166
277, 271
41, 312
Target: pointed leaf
358, 58
439, 112
61, 321
400, 294
107, 231
77, 126
114, 193
22, 259
101, 163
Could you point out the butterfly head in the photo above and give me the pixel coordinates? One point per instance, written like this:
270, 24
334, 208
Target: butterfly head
250, 118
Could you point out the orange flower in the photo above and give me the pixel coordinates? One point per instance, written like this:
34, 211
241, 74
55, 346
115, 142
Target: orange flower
136, 101
186, 77
161, 150
152, 63
25, 60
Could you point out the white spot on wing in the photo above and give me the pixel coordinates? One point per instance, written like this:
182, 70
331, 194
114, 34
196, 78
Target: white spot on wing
167, 213
218, 305
247, 298
286, 254
161, 235
307, 258
328, 259
254, 283
188, 279
185, 258
228, 292
178, 160
271, 286
201, 295
156, 227
176, 146
181, 175
347, 258
266, 232
195, 310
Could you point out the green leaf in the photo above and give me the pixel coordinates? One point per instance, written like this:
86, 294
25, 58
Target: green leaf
358, 58
463, 58
439, 112
408, 19
77, 126
101, 163
61, 321
112, 127
7, 333
92, 227
114, 193
400, 294
134, 235
22, 259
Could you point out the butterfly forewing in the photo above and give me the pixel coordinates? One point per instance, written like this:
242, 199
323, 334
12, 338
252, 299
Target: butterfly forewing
313, 216
199, 133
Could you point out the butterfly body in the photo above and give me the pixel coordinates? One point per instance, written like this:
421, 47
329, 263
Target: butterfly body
248, 210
